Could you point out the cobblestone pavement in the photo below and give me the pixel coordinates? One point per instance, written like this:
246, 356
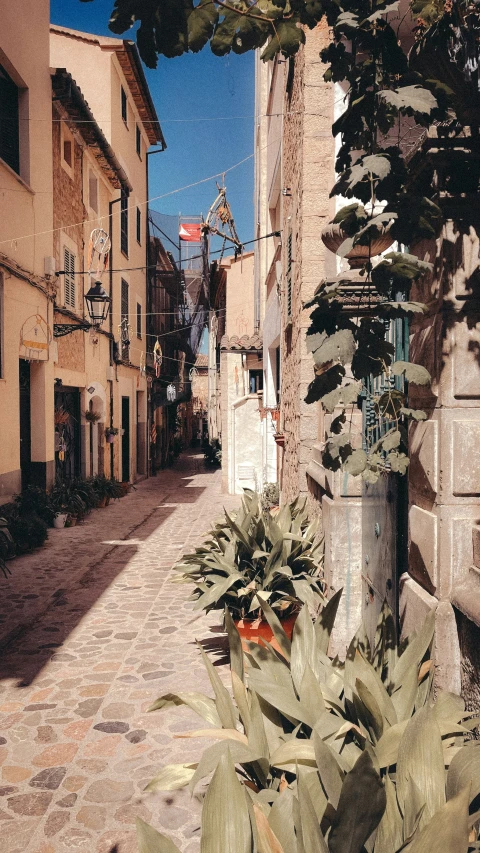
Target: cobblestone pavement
92, 631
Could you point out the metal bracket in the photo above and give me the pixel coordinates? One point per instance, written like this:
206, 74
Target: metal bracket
62, 329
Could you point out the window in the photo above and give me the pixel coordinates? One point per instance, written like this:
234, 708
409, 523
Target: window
67, 150
9, 123
125, 341
69, 278
139, 320
124, 105
124, 222
138, 141
139, 225
255, 381
93, 192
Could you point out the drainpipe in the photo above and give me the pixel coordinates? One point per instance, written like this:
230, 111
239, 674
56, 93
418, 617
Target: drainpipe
150, 409
110, 280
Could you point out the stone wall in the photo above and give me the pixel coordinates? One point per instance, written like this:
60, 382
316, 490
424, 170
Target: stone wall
307, 179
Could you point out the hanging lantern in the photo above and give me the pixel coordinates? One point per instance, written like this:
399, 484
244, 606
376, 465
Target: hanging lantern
193, 373
98, 304
171, 393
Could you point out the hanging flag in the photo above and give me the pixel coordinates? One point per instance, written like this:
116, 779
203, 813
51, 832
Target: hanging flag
190, 232
157, 358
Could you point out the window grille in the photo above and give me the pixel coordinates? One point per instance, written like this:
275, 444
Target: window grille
139, 225
139, 320
69, 278
138, 141
124, 104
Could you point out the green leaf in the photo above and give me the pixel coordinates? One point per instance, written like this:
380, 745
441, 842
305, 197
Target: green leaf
287, 39
464, 770
414, 414
281, 821
412, 99
278, 632
239, 752
309, 828
392, 310
355, 463
303, 647
391, 440
346, 395
152, 841
202, 705
448, 831
416, 649
325, 622
200, 25
360, 808
420, 758
328, 768
398, 462
172, 777
223, 702
414, 373
235, 645
324, 383
338, 347
225, 815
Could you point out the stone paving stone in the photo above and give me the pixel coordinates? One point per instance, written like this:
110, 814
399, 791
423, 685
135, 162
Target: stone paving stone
82, 661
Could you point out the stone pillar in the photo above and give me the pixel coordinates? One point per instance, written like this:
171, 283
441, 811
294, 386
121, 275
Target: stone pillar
444, 473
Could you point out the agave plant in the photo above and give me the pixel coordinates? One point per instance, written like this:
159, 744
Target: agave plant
317, 756
254, 558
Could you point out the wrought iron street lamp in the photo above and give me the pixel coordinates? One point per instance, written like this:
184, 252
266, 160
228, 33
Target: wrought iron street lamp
98, 304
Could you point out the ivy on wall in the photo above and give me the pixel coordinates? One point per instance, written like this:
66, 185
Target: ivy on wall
384, 89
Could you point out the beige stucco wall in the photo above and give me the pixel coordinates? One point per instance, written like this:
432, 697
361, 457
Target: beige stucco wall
240, 295
25, 240
87, 58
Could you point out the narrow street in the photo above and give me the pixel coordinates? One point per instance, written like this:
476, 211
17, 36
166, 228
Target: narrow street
92, 632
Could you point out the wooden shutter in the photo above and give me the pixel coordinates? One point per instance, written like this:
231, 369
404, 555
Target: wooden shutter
9, 122
69, 278
288, 278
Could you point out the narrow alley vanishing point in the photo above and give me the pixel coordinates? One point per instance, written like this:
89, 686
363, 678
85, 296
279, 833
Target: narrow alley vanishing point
93, 631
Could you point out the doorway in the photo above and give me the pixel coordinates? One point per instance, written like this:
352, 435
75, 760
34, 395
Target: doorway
25, 423
67, 434
125, 439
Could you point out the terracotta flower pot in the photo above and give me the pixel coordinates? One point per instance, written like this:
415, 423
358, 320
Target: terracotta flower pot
102, 503
333, 236
254, 631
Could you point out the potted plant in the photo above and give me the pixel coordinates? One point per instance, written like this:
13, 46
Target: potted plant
253, 559
92, 417
351, 756
110, 433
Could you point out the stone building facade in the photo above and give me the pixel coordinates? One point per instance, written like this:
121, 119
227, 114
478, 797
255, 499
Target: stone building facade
26, 250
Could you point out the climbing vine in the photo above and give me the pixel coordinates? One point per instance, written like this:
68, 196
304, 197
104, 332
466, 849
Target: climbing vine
385, 91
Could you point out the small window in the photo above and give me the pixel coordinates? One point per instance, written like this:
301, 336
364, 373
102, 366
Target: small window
124, 222
139, 225
138, 141
124, 105
139, 320
69, 278
255, 381
93, 192
9, 122
67, 152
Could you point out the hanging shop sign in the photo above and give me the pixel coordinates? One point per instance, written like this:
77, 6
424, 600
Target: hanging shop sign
171, 393
35, 338
157, 358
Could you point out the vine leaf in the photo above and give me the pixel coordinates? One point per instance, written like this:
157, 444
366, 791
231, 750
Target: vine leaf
346, 395
398, 462
414, 373
375, 164
392, 439
414, 414
390, 404
391, 310
414, 98
324, 383
200, 25
356, 463
390, 7
339, 347
338, 422
287, 40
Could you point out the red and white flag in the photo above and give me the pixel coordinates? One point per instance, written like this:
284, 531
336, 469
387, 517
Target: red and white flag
191, 232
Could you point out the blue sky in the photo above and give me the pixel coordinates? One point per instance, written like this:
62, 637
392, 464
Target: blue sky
190, 87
